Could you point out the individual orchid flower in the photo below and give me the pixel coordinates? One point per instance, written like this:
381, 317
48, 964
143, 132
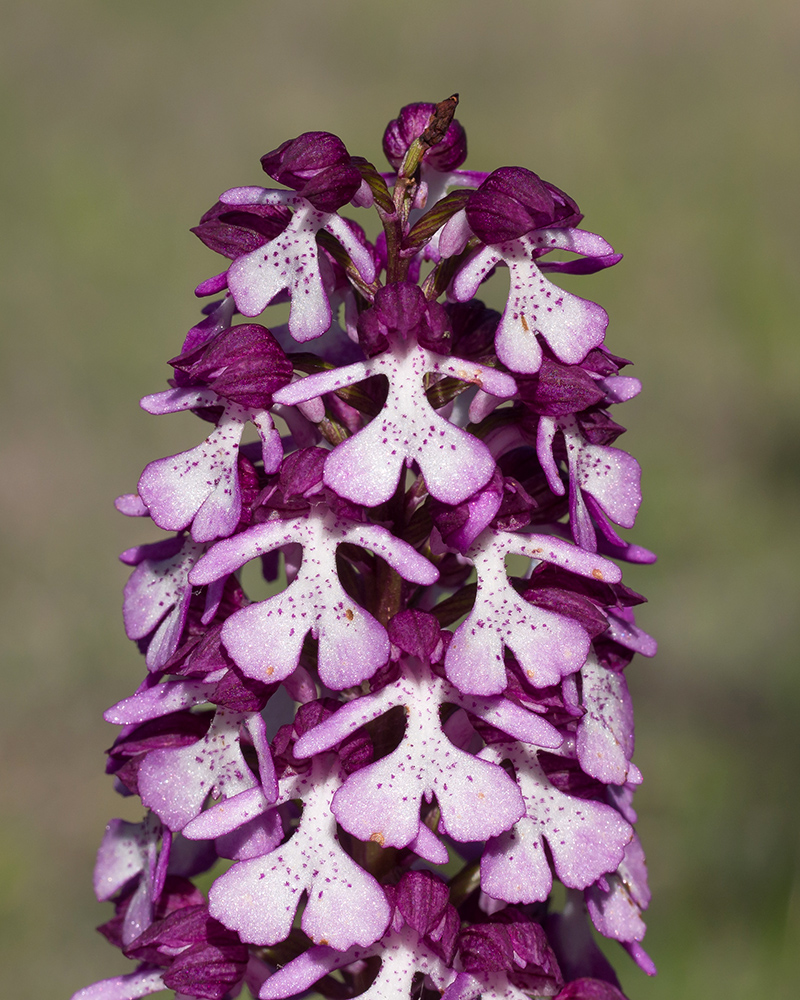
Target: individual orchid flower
586, 839
454, 463
571, 326
157, 595
291, 262
547, 645
519, 217
317, 166
176, 783
266, 639
599, 477
259, 897
366, 468
200, 487
381, 802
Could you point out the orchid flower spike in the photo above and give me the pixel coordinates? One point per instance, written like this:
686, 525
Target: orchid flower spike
373, 739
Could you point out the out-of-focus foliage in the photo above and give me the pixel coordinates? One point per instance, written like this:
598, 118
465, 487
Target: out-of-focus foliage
675, 126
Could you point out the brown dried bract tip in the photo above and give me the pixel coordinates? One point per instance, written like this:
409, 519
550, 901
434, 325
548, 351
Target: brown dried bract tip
440, 123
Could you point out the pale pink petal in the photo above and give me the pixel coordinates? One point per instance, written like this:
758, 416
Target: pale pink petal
290, 261
586, 838
154, 702
134, 985
175, 783
548, 645
345, 906
201, 486
605, 733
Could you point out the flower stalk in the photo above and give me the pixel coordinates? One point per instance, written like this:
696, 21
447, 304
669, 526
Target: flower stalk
385, 764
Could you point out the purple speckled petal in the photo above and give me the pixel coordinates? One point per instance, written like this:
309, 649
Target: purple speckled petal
474, 271
176, 782
312, 386
605, 733
134, 985
610, 475
511, 718
158, 590
176, 400
271, 445
620, 388
398, 554
492, 381
624, 630
160, 700
346, 906
586, 838
428, 846
617, 911
201, 486
127, 850
290, 261
229, 815
309, 966
346, 233
545, 435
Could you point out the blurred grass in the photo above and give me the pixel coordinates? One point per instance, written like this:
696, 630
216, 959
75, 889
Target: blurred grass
675, 126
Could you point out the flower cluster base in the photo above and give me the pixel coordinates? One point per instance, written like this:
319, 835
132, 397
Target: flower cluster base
382, 769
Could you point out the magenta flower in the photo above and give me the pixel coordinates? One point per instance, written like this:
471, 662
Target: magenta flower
387, 632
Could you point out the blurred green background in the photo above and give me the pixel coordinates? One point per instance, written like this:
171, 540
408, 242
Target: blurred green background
676, 126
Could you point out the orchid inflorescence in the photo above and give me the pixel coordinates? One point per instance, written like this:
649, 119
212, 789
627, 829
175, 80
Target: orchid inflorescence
383, 766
